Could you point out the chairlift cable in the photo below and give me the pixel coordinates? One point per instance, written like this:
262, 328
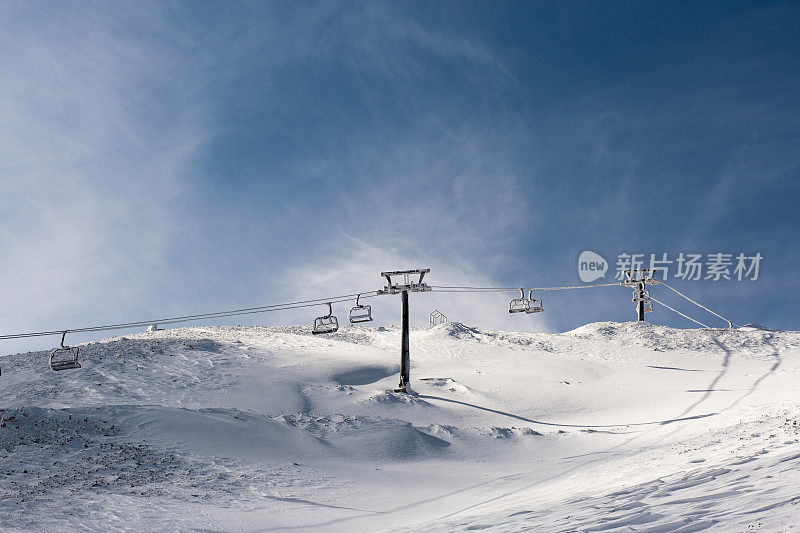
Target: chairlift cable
188, 318
576, 287
323, 301
696, 303
443, 288
683, 315
476, 289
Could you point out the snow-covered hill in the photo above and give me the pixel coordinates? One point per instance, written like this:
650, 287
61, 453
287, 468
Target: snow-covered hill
620, 426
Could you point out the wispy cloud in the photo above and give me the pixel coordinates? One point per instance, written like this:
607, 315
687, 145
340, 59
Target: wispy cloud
95, 138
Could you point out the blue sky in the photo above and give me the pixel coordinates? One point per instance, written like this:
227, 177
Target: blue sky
169, 158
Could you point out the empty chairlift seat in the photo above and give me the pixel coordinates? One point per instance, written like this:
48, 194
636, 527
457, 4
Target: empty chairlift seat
436, 317
640, 296
644, 297
519, 305
360, 313
327, 323
534, 305
65, 357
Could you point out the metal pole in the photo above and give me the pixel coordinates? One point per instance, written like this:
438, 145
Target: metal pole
405, 358
640, 303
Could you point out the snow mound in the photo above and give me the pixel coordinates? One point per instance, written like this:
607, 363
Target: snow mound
448, 384
457, 330
655, 337
215, 432
754, 327
391, 398
370, 438
514, 340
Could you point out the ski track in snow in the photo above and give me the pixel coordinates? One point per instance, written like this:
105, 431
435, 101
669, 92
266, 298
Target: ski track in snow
610, 427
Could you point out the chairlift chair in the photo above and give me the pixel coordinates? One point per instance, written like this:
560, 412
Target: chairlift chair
534, 305
360, 313
65, 357
327, 323
644, 297
436, 317
641, 296
519, 305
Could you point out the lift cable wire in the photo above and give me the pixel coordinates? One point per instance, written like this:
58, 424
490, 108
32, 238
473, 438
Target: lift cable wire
324, 301
675, 310
189, 318
443, 288
697, 304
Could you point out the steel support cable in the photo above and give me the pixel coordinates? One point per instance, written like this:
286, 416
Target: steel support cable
443, 288
697, 304
216, 315
576, 287
322, 301
683, 315
189, 318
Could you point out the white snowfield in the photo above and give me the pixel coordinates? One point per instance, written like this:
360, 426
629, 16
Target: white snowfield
611, 427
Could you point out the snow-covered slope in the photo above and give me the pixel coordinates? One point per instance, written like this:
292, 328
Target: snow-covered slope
611, 426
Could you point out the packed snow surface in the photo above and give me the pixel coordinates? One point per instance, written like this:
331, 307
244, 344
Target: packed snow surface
610, 427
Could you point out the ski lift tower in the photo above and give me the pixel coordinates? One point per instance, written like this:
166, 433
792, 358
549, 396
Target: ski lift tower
412, 282
638, 280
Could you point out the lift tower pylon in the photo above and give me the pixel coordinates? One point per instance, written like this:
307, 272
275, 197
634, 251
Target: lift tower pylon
638, 279
409, 284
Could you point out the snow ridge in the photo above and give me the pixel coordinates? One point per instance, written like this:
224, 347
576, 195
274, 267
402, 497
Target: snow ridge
611, 425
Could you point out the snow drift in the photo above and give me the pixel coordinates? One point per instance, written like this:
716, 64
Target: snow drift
612, 426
